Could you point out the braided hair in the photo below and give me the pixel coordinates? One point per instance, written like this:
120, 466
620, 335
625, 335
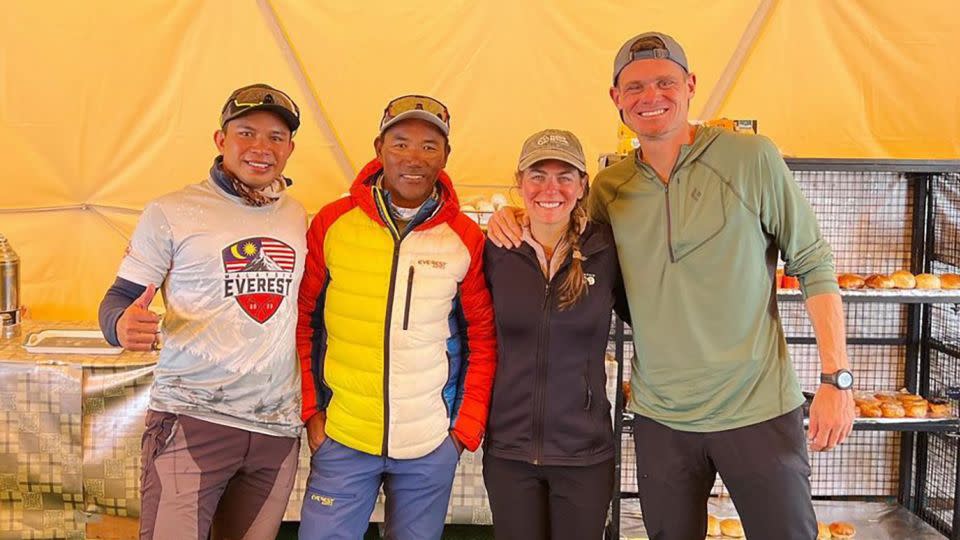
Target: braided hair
574, 285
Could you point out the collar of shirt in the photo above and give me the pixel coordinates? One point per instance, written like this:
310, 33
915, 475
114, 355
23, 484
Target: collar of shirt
550, 267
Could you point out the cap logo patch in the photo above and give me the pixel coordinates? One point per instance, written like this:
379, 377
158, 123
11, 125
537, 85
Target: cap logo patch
553, 139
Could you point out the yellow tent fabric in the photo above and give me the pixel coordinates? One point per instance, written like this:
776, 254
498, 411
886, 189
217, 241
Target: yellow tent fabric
105, 105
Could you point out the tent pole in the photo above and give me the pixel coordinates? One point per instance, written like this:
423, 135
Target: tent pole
306, 85
735, 65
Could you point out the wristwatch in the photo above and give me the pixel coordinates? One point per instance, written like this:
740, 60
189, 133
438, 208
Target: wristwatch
842, 379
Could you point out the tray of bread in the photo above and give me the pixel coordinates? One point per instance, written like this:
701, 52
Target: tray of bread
882, 411
836, 520
900, 286
901, 404
731, 527
900, 411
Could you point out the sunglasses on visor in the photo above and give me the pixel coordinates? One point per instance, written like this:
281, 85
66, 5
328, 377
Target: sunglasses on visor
416, 103
257, 96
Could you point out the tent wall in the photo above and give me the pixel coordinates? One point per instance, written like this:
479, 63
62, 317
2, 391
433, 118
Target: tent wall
104, 105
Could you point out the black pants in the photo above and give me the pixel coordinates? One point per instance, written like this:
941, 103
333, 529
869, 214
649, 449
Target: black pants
534, 502
765, 467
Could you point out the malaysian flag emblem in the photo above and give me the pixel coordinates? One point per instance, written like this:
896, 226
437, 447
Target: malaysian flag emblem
259, 274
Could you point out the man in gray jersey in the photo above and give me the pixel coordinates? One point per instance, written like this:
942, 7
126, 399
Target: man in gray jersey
223, 422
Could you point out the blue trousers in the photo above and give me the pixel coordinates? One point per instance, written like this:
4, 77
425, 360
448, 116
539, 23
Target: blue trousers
344, 484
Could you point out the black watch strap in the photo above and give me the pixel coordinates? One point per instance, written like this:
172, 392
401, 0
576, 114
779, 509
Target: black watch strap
842, 379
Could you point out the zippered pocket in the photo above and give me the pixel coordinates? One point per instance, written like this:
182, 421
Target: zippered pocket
588, 399
406, 307
447, 407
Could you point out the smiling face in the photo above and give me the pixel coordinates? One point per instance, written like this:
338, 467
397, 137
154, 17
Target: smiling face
413, 153
653, 96
255, 147
550, 189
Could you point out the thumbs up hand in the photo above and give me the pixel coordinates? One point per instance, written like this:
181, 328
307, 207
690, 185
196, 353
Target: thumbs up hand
137, 327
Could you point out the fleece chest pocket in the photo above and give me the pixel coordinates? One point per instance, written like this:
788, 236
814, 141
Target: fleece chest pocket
697, 213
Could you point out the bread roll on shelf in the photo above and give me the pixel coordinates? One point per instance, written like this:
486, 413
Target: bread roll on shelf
950, 281
867, 406
939, 408
850, 281
731, 528
892, 409
887, 397
841, 530
928, 281
713, 526
823, 531
870, 410
903, 279
879, 281
915, 409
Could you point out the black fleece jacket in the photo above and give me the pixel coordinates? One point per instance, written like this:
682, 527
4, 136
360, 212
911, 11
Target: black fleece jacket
549, 403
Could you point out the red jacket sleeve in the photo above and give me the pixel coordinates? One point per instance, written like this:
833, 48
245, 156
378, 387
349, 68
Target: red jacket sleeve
311, 330
481, 341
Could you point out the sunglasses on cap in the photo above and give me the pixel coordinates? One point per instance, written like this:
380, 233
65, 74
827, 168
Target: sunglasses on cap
257, 96
260, 96
412, 103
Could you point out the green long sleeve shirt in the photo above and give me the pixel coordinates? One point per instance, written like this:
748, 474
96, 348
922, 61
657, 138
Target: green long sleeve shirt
698, 257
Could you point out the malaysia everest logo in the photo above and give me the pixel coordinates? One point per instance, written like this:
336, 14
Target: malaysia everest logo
259, 272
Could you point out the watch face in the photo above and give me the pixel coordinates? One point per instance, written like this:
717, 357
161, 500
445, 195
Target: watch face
844, 379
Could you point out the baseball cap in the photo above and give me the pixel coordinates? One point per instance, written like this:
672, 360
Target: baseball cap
552, 144
410, 106
260, 97
668, 48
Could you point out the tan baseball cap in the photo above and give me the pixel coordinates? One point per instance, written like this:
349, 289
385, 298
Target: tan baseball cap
552, 144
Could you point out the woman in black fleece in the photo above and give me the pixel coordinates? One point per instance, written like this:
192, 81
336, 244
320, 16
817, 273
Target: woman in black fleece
548, 456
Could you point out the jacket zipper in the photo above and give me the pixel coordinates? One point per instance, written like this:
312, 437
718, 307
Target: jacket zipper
397, 239
406, 308
666, 195
540, 391
588, 402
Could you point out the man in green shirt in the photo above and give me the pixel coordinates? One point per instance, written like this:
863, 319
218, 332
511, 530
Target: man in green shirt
700, 216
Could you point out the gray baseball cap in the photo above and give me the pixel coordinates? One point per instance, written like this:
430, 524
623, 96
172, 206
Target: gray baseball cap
552, 144
670, 50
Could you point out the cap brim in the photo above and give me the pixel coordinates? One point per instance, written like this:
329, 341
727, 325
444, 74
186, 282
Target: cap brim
288, 117
418, 115
551, 153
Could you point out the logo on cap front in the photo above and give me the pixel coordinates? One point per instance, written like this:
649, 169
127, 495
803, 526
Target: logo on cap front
553, 139
259, 274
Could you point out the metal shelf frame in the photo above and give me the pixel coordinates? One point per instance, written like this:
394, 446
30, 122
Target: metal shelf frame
928, 451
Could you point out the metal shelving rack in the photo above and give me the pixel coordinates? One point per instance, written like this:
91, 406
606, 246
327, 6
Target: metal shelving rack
879, 216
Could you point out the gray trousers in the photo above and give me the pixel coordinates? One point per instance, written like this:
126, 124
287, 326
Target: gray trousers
765, 467
202, 479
